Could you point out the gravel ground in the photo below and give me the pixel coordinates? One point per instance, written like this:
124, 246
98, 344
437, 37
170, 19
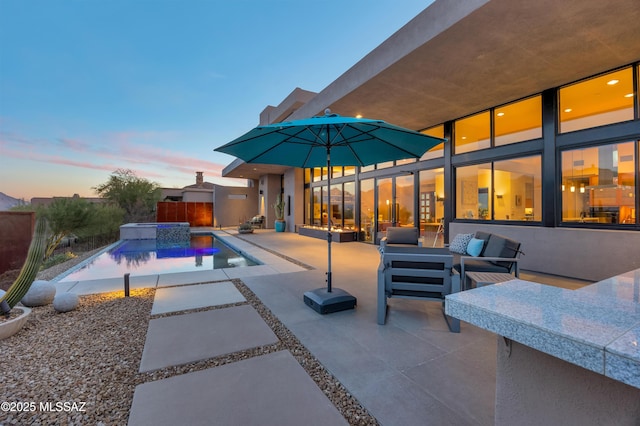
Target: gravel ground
91, 357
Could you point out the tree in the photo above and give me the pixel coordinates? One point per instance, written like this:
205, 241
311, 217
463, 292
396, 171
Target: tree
136, 196
105, 220
65, 216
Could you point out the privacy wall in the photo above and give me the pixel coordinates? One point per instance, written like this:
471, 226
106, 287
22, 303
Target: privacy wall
16, 229
196, 213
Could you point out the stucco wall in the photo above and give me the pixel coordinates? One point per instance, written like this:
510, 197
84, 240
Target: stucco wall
234, 205
588, 254
270, 186
197, 196
294, 188
533, 388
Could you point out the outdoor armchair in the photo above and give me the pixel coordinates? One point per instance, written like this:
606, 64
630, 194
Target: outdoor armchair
400, 236
257, 221
423, 274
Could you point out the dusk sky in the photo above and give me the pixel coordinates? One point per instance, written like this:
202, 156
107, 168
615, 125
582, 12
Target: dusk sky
87, 87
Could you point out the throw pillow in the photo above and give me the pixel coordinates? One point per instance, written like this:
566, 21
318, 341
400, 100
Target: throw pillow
474, 248
459, 243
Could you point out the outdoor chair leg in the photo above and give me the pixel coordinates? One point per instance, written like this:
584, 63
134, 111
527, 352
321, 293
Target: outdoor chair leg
453, 323
382, 299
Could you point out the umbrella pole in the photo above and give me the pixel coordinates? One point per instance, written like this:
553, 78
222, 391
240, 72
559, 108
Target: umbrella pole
329, 219
325, 301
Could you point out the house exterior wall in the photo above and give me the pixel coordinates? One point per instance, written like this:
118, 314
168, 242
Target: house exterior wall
270, 185
294, 197
234, 205
197, 196
392, 83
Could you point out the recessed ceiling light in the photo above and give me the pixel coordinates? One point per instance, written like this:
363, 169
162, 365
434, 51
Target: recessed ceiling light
500, 114
612, 82
359, 116
464, 137
568, 110
629, 95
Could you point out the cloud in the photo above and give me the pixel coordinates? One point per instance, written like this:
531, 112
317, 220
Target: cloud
121, 150
55, 159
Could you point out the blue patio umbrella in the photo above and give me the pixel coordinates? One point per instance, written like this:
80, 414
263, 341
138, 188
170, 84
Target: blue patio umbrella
326, 141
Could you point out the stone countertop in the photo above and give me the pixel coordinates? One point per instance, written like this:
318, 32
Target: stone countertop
596, 327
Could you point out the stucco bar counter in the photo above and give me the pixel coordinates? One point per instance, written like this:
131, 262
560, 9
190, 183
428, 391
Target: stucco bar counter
564, 356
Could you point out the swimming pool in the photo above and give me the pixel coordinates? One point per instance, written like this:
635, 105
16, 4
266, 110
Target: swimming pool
148, 257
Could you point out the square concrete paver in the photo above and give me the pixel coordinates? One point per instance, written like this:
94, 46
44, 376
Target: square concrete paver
192, 337
192, 277
107, 285
271, 389
181, 298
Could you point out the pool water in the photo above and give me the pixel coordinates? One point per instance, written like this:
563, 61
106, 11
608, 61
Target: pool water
148, 257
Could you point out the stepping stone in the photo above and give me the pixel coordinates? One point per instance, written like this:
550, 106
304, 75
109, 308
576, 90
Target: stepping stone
174, 299
267, 390
181, 339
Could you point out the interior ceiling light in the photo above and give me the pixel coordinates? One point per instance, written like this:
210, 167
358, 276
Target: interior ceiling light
464, 137
358, 115
500, 114
629, 95
568, 110
612, 82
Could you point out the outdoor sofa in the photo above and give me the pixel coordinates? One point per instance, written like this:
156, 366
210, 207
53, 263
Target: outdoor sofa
478, 252
484, 252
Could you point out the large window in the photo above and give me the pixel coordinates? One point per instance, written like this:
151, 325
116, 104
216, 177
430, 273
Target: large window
349, 198
431, 202
317, 206
505, 190
308, 212
598, 184
518, 121
438, 150
515, 122
597, 101
518, 189
473, 133
367, 210
473, 186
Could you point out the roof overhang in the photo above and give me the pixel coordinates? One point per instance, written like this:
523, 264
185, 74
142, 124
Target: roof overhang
240, 169
457, 58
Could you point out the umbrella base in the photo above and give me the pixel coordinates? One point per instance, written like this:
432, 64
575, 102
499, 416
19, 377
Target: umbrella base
323, 302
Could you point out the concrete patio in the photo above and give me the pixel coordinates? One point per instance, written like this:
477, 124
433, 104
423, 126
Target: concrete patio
410, 371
